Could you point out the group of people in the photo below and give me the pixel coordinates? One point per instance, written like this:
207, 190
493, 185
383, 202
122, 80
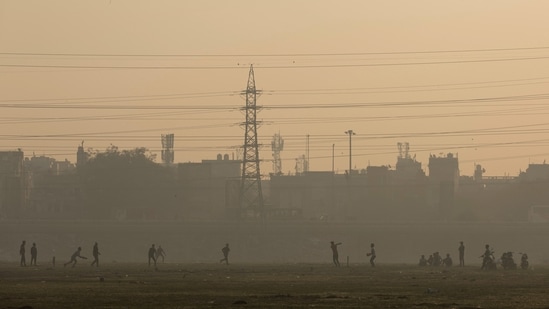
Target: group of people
22, 253
76, 254
335, 253
507, 261
489, 261
155, 254
436, 259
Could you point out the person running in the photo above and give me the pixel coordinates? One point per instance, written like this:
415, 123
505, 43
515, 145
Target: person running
152, 255
225, 251
74, 256
95, 252
461, 250
372, 255
22, 254
160, 253
34, 254
335, 254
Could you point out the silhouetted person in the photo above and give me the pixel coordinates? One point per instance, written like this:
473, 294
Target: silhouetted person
34, 254
95, 253
152, 255
461, 250
437, 259
74, 256
524, 261
486, 257
447, 260
160, 253
430, 260
225, 251
335, 254
22, 254
422, 261
372, 255
507, 261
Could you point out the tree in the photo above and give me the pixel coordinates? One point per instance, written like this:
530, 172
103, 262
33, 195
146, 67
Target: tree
126, 184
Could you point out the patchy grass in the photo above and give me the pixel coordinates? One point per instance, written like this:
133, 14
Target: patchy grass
125, 285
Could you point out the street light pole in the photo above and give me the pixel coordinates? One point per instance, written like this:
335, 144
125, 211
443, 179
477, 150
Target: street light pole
350, 133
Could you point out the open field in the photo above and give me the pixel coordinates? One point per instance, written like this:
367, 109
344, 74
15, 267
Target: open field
201, 285
271, 242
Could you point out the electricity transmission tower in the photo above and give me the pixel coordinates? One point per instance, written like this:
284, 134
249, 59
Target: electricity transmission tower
251, 195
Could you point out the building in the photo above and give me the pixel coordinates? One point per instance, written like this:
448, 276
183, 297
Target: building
444, 182
13, 189
202, 187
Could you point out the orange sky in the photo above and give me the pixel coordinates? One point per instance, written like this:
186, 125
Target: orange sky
468, 77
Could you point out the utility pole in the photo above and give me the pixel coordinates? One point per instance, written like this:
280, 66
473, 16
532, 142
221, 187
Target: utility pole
350, 133
307, 152
333, 148
251, 195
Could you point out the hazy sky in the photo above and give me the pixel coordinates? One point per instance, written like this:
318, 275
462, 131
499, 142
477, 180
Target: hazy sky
467, 77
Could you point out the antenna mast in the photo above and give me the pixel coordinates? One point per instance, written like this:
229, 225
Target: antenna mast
277, 145
167, 148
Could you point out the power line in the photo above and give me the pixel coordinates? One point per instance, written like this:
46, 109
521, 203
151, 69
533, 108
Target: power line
274, 55
432, 103
271, 67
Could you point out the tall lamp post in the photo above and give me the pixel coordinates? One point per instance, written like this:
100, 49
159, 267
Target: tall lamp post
350, 133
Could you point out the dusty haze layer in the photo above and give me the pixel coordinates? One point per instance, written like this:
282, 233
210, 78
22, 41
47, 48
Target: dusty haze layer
468, 77
272, 242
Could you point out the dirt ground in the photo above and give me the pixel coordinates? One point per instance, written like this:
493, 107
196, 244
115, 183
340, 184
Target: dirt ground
133, 285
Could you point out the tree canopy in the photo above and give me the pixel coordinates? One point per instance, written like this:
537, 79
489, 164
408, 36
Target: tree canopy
125, 183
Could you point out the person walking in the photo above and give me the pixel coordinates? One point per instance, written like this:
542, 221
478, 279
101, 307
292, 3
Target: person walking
95, 253
152, 255
225, 251
23, 261
372, 255
160, 253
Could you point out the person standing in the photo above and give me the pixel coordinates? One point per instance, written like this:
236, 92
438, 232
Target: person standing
225, 251
422, 261
372, 255
95, 253
22, 254
74, 256
34, 254
461, 250
335, 253
152, 255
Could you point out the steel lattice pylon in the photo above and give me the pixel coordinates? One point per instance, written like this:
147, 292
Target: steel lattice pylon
251, 195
